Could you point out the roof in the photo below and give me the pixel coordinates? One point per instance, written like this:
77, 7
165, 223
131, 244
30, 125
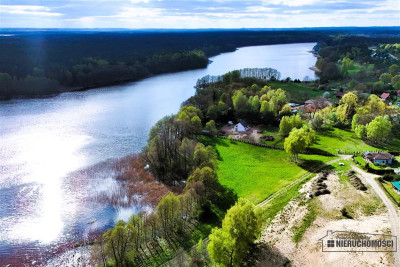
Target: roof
378, 155
385, 95
244, 123
396, 184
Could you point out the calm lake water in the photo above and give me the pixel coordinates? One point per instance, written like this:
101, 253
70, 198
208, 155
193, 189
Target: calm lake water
44, 141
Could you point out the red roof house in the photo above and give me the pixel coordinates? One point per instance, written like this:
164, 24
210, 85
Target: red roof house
384, 96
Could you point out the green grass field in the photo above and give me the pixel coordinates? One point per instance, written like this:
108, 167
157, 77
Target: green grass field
298, 92
332, 140
335, 139
255, 172
357, 67
329, 141
360, 161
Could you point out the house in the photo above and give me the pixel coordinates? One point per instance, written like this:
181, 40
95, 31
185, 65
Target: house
396, 186
242, 126
385, 96
379, 158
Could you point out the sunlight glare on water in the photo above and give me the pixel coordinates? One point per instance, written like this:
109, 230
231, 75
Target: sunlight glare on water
49, 157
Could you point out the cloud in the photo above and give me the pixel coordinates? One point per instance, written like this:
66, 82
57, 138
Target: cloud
199, 13
290, 2
28, 10
139, 1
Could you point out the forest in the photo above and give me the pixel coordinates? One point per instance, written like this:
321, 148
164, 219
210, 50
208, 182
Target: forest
42, 62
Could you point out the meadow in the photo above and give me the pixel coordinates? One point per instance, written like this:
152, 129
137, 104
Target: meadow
333, 140
256, 172
298, 92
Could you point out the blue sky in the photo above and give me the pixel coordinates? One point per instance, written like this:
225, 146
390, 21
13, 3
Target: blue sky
198, 13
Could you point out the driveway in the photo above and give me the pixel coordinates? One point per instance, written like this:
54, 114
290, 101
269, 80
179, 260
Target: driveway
394, 218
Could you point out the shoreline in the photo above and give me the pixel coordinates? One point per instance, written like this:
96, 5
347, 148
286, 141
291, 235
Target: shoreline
87, 88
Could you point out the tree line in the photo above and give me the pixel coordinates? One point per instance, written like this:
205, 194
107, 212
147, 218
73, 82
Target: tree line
59, 61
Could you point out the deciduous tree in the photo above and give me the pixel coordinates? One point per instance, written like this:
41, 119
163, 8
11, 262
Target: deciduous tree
379, 129
240, 228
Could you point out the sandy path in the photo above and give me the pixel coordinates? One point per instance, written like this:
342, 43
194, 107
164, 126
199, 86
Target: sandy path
300, 179
394, 218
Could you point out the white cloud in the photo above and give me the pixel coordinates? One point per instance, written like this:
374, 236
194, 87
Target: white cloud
139, 1
290, 2
136, 12
28, 10
258, 9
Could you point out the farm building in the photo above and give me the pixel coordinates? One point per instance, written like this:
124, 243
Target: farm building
379, 158
242, 126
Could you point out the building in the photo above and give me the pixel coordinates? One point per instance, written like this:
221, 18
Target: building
379, 158
242, 126
385, 96
396, 186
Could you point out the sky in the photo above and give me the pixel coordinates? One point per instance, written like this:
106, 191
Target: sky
182, 14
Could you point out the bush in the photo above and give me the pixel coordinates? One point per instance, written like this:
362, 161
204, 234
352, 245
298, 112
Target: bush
345, 213
388, 177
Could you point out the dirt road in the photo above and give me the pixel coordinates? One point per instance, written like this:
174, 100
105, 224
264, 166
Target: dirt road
394, 218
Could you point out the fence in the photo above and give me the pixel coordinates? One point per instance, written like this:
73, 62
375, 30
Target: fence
307, 152
252, 143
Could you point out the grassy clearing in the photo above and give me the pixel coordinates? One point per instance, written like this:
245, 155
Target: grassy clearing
298, 92
360, 161
335, 139
256, 172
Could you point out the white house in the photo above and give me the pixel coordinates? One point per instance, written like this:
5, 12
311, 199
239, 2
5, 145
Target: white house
242, 126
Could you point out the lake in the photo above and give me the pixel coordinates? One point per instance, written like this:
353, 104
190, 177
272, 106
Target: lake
44, 141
